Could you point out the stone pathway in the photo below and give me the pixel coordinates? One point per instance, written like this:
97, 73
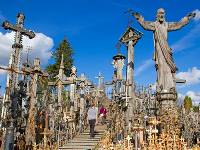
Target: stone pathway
83, 141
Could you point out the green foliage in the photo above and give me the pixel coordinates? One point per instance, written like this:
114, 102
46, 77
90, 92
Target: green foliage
67, 51
187, 103
66, 99
196, 108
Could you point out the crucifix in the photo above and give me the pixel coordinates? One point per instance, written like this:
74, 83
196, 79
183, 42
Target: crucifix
12, 78
17, 46
130, 37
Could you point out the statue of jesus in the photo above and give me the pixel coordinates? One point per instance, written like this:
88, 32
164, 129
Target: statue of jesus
165, 66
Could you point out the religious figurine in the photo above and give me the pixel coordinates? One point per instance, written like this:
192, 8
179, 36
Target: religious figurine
118, 64
165, 66
73, 71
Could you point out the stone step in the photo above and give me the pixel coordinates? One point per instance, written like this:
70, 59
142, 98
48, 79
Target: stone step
77, 147
82, 144
83, 141
87, 136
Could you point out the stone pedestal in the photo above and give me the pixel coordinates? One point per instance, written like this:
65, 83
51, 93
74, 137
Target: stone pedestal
168, 114
166, 99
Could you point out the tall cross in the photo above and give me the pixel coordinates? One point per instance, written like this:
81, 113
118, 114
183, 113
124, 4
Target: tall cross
30, 128
100, 80
12, 78
61, 80
17, 46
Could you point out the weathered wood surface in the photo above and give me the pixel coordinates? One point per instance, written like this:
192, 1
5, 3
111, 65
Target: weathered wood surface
83, 141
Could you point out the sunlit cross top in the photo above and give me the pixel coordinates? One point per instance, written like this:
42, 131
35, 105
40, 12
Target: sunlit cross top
100, 79
18, 28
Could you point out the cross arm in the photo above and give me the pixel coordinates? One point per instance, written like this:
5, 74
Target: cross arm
8, 26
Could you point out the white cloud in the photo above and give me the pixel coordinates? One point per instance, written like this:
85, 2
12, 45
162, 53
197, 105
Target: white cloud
147, 63
195, 96
197, 17
180, 98
192, 76
41, 46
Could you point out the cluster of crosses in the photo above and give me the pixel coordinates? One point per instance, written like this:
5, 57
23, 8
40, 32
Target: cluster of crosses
141, 116
36, 112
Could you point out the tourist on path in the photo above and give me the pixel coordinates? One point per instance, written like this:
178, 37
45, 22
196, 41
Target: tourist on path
92, 118
103, 113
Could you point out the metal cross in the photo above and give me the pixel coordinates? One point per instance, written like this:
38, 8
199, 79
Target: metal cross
129, 12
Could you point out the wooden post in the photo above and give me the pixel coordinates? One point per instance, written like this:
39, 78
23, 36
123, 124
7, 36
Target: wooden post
130, 38
30, 128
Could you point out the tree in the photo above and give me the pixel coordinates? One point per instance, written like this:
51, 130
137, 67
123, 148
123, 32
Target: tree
187, 103
67, 51
196, 108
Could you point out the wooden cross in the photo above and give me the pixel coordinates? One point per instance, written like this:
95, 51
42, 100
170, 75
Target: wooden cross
128, 141
18, 28
19, 32
30, 128
60, 82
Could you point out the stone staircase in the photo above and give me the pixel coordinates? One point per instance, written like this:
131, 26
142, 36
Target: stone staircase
83, 141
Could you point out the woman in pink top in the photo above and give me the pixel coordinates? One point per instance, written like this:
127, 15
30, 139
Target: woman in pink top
103, 113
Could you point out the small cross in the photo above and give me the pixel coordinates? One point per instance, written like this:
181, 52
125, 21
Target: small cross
129, 12
100, 79
28, 49
118, 45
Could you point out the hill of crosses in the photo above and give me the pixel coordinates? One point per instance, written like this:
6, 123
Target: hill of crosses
58, 107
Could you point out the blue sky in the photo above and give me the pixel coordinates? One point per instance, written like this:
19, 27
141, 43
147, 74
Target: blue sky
93, 28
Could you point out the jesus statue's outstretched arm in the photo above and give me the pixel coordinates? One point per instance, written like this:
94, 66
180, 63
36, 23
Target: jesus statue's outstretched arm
172, 26
147, 25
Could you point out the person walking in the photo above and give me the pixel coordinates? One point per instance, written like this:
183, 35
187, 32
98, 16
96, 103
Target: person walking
103, 113
92, 118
